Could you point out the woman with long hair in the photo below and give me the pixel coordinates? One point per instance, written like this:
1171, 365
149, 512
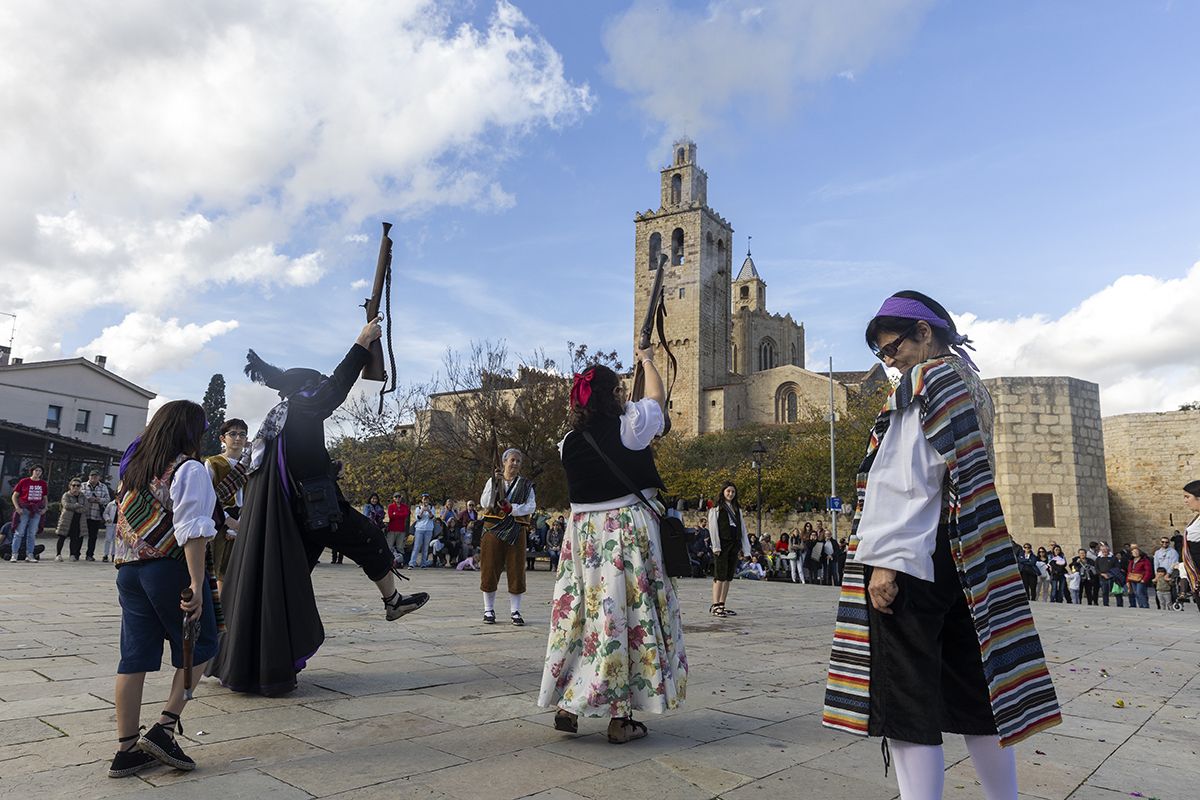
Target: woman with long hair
1191, 540
934, 632
70, 519
616, 636
165, 518
795, 556
727, 529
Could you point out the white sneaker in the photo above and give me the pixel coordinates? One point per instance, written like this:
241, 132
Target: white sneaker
58, 557
13, 558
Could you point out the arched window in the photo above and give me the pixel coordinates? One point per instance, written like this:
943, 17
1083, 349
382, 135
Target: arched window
795, 359
735, 364
744, 294
676, 188
787, 403
766, 354
655, 250
677, 247
679, 155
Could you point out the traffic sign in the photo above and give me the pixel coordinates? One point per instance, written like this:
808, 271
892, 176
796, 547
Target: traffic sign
835, 504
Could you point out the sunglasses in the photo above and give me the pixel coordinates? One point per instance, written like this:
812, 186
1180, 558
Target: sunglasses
890, 349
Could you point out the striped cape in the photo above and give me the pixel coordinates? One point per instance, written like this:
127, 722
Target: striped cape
146, 530
957, 418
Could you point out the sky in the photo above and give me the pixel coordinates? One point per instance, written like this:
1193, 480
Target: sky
186, 182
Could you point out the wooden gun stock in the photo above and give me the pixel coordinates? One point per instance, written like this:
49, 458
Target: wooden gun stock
374, 370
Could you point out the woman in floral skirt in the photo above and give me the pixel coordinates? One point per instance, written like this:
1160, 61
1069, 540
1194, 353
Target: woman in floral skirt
616, 637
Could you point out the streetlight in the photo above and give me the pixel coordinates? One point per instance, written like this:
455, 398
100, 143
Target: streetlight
757, 463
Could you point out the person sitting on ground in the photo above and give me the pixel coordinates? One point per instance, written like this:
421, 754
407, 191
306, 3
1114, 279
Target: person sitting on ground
750, 569
470, 563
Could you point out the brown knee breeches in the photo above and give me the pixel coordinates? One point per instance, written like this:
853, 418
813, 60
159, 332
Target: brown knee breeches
497, 557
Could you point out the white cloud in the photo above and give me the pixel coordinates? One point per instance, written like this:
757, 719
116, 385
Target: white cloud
361, 283
154, 152
142, 344
687, 67
357, 238
1136, 338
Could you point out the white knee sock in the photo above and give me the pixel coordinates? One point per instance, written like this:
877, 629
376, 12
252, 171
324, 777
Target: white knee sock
489, 601
995, 766
920, 769
514, 602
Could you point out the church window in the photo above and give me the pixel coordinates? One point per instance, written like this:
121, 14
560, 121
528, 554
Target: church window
790, 403
795, 360
745, 293
787, 403
721, 251
677, 247
682, 289
676, 188
766, 354
1043, 510
655, 250
735, 355
714, 403
679, 155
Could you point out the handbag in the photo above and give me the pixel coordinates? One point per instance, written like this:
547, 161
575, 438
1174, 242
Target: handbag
671, 533
319, 503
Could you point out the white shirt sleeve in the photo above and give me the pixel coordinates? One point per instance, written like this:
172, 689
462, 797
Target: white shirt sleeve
526, 508
712, 530
640, 423
193, 501
485, 499
903, 504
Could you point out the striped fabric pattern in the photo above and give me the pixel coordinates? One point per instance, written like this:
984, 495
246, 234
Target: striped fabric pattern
957, 420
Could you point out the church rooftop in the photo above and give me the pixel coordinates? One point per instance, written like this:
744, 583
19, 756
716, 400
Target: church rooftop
748, 270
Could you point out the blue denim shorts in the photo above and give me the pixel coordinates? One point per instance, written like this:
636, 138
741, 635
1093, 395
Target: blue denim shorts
149, 594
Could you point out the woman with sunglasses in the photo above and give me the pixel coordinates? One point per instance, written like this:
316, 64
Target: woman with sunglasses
930, 574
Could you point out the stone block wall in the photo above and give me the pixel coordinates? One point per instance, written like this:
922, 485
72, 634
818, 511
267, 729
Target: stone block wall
1150, 458
1049, 439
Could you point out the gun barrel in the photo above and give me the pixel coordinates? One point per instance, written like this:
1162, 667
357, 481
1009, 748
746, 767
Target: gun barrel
647, 328
374, 370
189, 645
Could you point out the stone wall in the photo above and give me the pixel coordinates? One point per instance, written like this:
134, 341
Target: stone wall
1150, 458
1049, 440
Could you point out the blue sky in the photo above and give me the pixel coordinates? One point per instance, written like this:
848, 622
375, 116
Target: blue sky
1022, 162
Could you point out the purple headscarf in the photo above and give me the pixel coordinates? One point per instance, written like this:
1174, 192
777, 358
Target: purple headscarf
910, 308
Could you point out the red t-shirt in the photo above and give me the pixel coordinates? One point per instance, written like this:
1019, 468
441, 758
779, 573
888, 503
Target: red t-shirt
398, 517
31, 493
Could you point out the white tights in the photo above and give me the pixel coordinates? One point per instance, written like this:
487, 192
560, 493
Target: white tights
921, 768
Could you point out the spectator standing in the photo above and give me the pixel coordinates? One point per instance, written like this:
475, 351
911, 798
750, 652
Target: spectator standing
1043, 568
1058, 576
1085, 562
1191, 543
1138, 578
29, 503
1074, 581
374, 511
1109, 574
1027, 567
795, 556
727, 529
1165, 558
110, 529
1162, 589
397, 524
72, 512
423, 523
95, 497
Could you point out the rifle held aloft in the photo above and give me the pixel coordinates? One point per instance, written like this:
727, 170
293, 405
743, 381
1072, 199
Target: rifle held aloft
375, 370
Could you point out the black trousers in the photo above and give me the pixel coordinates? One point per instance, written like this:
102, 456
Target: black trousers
926, 671
72, 534
356, 538
94, 526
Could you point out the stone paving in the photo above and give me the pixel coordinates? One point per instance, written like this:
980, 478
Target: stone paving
441, 707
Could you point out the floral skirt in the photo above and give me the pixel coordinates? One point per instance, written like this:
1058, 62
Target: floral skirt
616, 637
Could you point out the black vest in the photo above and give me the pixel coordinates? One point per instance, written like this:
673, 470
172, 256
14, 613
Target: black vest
589, 480
729, 529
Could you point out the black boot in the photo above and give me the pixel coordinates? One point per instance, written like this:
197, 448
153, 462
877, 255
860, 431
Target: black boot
160, 742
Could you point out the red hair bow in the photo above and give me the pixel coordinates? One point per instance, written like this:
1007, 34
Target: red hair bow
581, 388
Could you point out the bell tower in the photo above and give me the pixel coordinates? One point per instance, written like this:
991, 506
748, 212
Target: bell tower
697, 242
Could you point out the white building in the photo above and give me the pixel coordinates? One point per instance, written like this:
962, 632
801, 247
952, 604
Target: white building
69, 415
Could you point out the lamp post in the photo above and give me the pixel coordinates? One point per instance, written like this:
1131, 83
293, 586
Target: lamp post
758, 452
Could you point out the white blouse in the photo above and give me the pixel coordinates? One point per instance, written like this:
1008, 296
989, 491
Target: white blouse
903, 504
1193, 531
522, 510
193, 501
715, 537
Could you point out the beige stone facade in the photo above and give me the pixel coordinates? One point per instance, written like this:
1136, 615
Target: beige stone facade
1149, 458
738, 363
1049, 449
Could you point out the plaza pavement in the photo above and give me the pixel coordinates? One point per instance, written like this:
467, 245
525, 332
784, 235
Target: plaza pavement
440, 707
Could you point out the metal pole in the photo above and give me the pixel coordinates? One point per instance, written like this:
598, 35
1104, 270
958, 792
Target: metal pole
758, 504
832, 459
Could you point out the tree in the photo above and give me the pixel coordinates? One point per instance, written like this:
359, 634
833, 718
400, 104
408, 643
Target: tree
1192, 406
214, 412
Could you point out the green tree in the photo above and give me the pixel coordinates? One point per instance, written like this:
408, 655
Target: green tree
214, 410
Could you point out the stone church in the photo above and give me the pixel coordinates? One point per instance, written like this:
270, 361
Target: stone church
738, 363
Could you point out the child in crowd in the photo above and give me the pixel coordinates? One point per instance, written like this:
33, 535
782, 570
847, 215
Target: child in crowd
1162, 588
1074, 582
470, 563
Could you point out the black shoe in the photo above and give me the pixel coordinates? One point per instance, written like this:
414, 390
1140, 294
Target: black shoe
489, 617
91, 558
517, 619
128, 762
398, 605
160, 743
